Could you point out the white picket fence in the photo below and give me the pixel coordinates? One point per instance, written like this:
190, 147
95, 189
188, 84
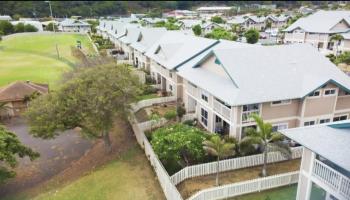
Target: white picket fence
149, 102
169, 189
255, 185
231, 164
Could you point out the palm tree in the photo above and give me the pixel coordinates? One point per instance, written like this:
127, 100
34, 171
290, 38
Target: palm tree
218, 147
266, 138
337, 38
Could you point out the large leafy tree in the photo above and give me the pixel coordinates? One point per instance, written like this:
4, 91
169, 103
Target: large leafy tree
252, 36
217, 19
267, 139
178, 145
6, 27
10, 149
197, 30
221, 33
219, 148
91, 99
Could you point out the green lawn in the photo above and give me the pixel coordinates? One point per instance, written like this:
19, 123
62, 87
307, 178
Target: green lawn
128, 178
282, 193
34, 57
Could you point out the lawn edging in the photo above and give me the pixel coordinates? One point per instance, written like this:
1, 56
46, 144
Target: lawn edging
245, 187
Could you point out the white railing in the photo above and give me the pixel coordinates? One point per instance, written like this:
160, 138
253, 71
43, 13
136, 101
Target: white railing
231, 164
148, 125
189, 116
192, 90
149, 102
246, 116
332, 178
222, 109
241, 188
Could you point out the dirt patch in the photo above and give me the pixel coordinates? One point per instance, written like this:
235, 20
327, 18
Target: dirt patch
191, 186
144, 114
141, 116
122, 139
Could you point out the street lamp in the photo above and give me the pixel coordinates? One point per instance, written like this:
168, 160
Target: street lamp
53, 26
49, 2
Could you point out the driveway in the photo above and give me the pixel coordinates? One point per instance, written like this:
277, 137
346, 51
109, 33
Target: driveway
55, 156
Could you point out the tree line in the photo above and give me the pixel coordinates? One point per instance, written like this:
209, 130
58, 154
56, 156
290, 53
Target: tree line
103, 8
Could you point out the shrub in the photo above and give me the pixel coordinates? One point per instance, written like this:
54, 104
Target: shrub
190, 122
180, 111
179, 145
149, 90
170, 115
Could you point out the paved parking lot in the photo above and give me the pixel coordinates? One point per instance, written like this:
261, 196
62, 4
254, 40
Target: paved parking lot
55, 155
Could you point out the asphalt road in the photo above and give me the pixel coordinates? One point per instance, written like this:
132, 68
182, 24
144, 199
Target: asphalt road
55, 156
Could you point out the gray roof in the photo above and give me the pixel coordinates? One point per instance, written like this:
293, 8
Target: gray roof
74, 22
237, 20
5, 17
346, 36
321, 22
331, 141
189, 23
148, 37
176, 48
259, 74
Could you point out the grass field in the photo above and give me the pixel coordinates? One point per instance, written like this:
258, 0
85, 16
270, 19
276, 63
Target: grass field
282, 193
33, 57
128, 178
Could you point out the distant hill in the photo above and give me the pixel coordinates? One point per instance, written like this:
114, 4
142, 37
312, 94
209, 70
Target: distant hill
118, 8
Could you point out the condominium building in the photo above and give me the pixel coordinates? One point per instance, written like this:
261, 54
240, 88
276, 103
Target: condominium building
223, 86
224, 82
318, 28
325, 165
171, 51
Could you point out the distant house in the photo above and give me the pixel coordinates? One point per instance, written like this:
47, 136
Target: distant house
207, 12
73, 25
150, 22
325, 164
188, 24
5, 18
318, 28
181, 14
17, 95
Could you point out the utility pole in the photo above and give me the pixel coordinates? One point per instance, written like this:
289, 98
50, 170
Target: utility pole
53, 27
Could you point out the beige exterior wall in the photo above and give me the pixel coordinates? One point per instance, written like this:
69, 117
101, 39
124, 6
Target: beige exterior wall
270, 111
342, 25
343, 103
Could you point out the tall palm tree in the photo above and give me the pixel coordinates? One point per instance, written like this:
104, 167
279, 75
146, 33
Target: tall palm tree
337, 38
218, 147
266, 138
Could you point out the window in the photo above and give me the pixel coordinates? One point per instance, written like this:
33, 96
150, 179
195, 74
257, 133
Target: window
204, 117
277, 127
309, 123
340, 118
204, 96
250, 107
329, 92
282, 102
322, 121
170, 87
170, 75
315, 93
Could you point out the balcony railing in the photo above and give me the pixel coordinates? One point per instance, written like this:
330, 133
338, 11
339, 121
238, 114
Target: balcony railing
222, 109
246, 116
192, 90
332, 178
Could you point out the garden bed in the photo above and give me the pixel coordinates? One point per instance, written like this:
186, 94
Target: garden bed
161, 110
191, 186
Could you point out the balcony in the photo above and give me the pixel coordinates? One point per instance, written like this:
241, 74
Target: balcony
192, 90
246, 116
222, 109
336, 181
